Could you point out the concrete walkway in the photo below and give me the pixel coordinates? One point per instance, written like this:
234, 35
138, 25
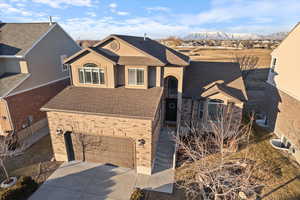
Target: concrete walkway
162, 179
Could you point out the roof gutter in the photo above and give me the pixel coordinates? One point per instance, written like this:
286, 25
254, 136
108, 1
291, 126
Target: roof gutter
99, 114
11, 56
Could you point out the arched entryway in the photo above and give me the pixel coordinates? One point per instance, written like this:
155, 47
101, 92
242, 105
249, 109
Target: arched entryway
171, 95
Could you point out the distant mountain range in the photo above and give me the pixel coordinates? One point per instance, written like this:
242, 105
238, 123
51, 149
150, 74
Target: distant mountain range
233, 36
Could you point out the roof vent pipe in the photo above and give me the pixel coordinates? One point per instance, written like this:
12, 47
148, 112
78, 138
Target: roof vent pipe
145, 35
50, 20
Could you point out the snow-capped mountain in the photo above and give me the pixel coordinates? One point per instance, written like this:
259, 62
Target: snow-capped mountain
202, 35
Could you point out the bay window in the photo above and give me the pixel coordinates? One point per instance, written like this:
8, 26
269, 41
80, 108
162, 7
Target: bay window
91, 74
136, 76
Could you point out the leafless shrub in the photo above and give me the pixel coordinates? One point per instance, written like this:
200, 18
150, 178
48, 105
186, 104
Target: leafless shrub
85, 141
248, 64
215, 171
10, 147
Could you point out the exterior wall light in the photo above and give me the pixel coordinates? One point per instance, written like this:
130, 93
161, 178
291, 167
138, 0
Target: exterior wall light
141, 142
59, 131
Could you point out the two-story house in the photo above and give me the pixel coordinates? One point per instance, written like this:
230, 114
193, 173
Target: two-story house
284, 92
124, 89
31, 73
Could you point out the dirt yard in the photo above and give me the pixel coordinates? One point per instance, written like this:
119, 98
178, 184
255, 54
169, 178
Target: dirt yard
35, 161
228, 55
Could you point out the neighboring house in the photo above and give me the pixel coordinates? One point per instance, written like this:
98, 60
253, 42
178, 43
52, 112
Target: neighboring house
284, 92
124, 89
31, 73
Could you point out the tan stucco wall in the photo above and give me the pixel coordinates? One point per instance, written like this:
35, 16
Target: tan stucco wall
287, 69
107, 66
5, 124
178, 73
44, 60
124, 50
106, 126
283, 116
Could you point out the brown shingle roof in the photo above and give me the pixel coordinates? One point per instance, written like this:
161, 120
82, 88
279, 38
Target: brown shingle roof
136, 103
153, 49
9, 81
17, 38
201, 74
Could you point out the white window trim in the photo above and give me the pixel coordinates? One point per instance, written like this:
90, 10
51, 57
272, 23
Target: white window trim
273, 66
64, 67
135, 84
92, 68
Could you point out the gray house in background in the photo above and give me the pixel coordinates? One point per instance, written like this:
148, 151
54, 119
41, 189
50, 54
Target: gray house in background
31, 73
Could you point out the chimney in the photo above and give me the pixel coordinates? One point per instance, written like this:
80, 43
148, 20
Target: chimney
145, 35
50, 20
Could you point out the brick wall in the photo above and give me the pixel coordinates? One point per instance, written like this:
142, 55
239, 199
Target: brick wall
29, 103
106, 126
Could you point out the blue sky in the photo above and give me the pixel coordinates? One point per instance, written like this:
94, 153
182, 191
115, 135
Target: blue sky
94, 19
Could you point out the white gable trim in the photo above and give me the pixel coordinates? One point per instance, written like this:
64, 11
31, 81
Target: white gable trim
38, 86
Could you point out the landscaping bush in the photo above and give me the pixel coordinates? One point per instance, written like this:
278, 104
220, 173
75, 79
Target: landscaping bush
138, 194
22, 190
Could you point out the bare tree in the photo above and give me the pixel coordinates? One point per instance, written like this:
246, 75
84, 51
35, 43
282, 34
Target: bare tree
85, 141
248, 64
9, 147
214, 170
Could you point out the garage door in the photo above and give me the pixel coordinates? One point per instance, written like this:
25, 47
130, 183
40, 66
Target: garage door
105, 149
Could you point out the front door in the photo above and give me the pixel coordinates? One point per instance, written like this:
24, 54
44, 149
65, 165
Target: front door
69, 146
171, 110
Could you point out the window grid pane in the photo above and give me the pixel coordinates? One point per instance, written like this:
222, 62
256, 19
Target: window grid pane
88, 75
132, 76
102, 80
140, 77
95, 76
81, 75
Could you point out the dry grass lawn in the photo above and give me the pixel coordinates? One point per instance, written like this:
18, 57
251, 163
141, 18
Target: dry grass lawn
279, 172
228, 55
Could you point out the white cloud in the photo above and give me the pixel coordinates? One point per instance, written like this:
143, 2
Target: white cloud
158, 8
113, 5
222, 11
60, 3
88, 28
91, 14
122, 13
113, 9
9, 9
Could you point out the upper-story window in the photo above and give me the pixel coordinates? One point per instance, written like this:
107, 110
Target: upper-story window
90, 73
274, 63
136, 76
64, 67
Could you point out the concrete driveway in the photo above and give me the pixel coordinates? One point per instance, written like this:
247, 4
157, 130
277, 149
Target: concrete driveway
87, 181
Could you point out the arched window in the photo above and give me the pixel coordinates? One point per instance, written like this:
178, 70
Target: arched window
91, 73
